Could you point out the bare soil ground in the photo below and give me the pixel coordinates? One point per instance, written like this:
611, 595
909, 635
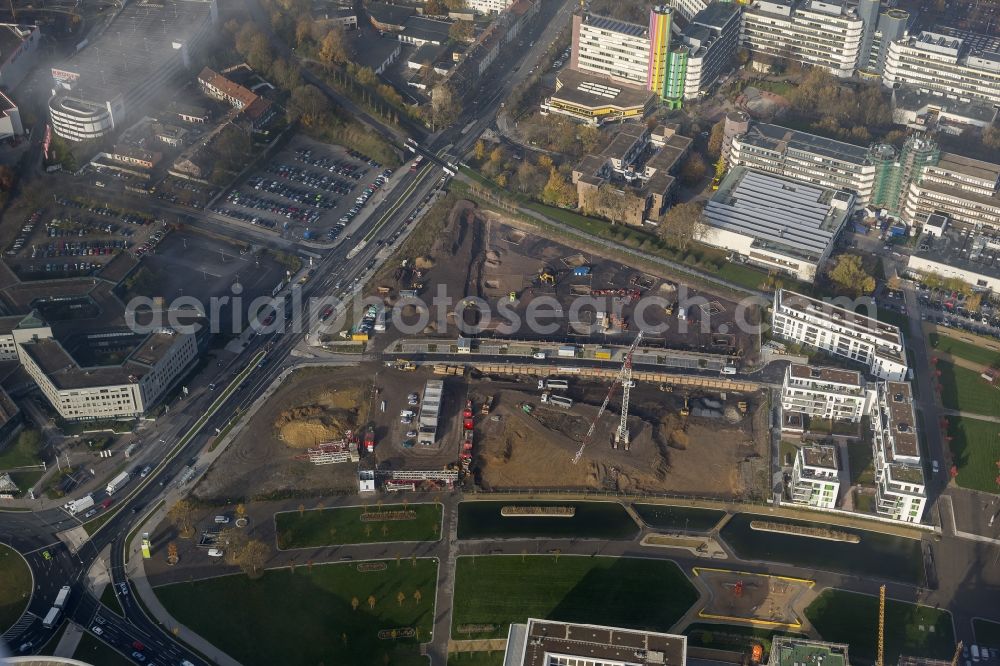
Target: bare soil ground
668, 453
310, 407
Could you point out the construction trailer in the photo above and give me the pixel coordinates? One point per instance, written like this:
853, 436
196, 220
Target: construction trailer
430, 411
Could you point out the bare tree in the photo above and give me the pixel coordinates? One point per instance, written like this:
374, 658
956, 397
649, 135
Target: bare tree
682, 224
445, 106
181, 515
253, 557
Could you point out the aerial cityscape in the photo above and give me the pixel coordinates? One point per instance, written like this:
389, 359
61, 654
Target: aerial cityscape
500, 332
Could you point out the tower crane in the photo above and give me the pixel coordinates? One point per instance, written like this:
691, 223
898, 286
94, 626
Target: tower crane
880, 655
623, 377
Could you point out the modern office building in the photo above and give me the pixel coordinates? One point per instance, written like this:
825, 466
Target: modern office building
19, 45
817, 33
802, 156
880, 28
127, 389
552, 643
146, 47
787, 651
674, 67
774, 222
815, 477
638, 165
824, 393
973, 258
688, 8
836, 330
953, 64
597, 100
911, 183
900, 490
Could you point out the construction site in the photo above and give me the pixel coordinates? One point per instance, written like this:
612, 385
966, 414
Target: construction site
755, 598
597, 300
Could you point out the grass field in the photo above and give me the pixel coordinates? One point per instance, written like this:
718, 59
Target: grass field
965, 390
110, 599
622, 592
22, 452
845, 617
987, 633
494, 658
965, 350
975, 450
731, 636
93, 651
309, 613
664, 517
335, 527
743, 275
15, 586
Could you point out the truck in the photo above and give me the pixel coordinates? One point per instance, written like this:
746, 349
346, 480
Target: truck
51, 618
560, 384
118, 483
82, 504
557, 400
62, 597
567, 351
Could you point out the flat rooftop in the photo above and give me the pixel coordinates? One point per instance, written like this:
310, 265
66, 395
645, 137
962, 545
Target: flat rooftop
590, 91
901, 419
824, 374
820, 455
781, 139
614, 25
780, 213
427, 29
913, 99
133, 48
839, 316
803, 652
543, 639
974, 252
970, 167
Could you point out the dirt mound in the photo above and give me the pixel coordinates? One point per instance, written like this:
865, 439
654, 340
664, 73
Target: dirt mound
329, 416
424, 263
492, 255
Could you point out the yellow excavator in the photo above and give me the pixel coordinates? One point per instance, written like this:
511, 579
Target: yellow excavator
686, 410
545, 277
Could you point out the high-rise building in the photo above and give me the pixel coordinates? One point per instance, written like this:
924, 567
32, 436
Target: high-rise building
820, 33
673, 67
953, 64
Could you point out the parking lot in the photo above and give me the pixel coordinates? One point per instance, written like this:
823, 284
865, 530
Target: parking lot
308, 190
184, 192
74, 237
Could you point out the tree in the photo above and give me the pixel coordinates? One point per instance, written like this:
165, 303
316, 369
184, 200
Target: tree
991, 137
371, 602
303, 31
252, 557
480, 150
693, 170
589, 138
302, 509
400, 597
496, 155
682, 224
354, 603
557, 191
172, 557
417, 596
850, 275
462, 31
332, 49
715, 139
181, 515
241, 511
434, 8
445, 106
308, 105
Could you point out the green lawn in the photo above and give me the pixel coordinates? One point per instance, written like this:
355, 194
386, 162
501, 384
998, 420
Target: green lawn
862, 461
734, 637
965, 390
975, 450
21, 452
494, 658
743, 275
622, 592
15, 586
308, 613
335, 527
845, 617
94, 651
961, 349
110, 599
987, 633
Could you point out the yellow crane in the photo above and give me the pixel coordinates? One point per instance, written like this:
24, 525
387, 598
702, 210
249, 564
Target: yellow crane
880, 656
958, 651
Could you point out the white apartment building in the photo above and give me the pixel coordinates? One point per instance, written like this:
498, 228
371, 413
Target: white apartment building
825, 34
964, 189
606, 46
900, 489
839, 331
824, 393
816, 477
687, 8
959, 66
106, 392
488, 6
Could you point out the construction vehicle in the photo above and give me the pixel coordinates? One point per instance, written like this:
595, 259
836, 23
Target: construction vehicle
370, 439
742, 406
526, 408
545, 277
487, 405
407, 366
686, 409
668, 309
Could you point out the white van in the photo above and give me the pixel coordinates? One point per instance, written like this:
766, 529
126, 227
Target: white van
222, 520
216, 552
975, 652
729, 370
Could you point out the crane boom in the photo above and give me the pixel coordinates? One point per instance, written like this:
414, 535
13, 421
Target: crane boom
626, 366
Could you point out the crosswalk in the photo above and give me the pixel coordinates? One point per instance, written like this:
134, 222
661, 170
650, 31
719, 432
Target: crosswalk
26, 620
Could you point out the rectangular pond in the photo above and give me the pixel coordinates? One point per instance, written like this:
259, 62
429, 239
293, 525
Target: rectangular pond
685, 518
591, 520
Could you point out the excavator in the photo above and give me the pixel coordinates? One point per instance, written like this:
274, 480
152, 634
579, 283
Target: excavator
545, 277
686, 410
